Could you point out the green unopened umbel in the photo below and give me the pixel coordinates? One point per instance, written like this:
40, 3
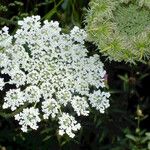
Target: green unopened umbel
120, 29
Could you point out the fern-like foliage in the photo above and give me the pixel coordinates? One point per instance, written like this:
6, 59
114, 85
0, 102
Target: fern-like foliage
3, 8
120, 29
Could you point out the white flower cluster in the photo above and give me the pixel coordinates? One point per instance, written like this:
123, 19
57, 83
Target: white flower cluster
28, 117
68, 124
13, 99
53, 70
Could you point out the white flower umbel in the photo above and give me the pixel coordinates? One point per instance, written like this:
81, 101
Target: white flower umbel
5, 38
63, 96
50, 107
13, 99
78, 34
18, 77
68, 125
3, 60
2, 83
33, 77
32, 94
99, 100
29, 117
80, 105
50, 71
47, 89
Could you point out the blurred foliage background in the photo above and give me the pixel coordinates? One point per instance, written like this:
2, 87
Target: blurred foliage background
125, 125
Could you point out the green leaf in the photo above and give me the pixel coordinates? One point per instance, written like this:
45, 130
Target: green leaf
47, 138
131, 137
149, 145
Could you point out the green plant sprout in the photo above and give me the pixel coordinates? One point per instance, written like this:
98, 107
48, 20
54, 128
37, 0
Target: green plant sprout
140, 140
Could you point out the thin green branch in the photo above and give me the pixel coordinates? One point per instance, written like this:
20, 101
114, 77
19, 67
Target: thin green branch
8, 21
6, 115
52, 12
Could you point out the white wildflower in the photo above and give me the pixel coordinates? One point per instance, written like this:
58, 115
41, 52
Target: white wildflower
78, 34
63, 96
80, 105
47, 89
5, 38
13, 99
52, 69
29, 117
32, 94
33, 77
50, 107
3, 60
18, 77
68, 125
99, 100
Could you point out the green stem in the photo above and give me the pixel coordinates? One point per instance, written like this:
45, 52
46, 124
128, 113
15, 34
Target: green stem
35, 104
8, 21
53, 11
6, 115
